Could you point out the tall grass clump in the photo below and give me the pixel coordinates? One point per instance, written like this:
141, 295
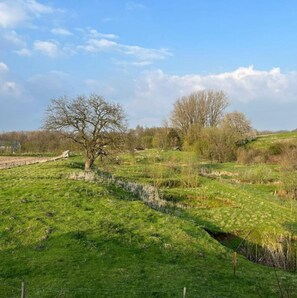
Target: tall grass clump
259, 174
273, 250
289, 185
190, 172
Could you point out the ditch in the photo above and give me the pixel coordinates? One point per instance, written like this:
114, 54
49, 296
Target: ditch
281, 254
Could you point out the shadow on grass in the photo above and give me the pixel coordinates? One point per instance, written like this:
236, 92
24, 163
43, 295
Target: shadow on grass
114, 261
90, 263
77, 165
283, 255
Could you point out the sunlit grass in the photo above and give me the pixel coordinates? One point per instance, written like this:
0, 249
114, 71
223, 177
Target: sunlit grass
69, 238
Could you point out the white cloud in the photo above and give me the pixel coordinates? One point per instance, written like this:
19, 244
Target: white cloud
48, 48
16, 12
105, 89
244, 84
94, 45
96, 42
8, 87
131, 5
154, 93
93, 33
14, 38
3, 67
11, 15
23, 52
144, 55
61, 31
38, 8
133, 63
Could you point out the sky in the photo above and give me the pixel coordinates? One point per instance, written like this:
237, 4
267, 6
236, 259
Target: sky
146, 54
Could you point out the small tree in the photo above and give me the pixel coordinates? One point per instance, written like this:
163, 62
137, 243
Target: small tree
93, 123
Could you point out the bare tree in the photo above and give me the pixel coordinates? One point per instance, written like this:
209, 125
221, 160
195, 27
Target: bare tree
91, 122
199, 109
216, 103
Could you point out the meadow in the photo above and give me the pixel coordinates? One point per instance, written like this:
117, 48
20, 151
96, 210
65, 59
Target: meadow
231, 198
74, 238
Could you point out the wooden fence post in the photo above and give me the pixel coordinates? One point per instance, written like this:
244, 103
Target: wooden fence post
234, 262
23, 295
184, 292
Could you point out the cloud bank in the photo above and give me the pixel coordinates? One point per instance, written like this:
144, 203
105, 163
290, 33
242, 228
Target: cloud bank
14, 13
265, 95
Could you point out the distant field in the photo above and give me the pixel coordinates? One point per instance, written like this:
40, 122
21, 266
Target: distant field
264, 141
12, 161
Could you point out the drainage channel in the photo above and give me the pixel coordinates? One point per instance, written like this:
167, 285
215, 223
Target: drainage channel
283, 254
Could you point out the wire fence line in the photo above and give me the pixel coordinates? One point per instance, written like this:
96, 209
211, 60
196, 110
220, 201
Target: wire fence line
25, 291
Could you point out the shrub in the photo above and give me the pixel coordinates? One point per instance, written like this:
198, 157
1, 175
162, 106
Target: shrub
250, 156
288, 160
276, 148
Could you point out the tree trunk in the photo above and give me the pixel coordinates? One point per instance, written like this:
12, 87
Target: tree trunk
88, 164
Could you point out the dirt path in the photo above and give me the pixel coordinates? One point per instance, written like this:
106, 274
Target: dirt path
7, 162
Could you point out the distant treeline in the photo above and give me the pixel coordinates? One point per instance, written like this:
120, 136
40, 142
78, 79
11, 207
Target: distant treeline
39, 141
42, 141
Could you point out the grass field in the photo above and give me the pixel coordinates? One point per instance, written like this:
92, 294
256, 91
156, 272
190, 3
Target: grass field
264, 141
68, 238
222, 198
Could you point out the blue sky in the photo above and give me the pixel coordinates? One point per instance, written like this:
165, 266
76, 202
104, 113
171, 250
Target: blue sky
146, 54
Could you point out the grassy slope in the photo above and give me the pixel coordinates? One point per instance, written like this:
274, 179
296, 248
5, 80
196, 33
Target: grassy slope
220, 203
264, 141
70, 238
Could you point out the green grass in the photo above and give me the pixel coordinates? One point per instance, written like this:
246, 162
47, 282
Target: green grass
70, 238
265, 141
231, 198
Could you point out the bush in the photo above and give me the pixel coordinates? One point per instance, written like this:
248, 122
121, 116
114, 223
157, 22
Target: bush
250, 156
216, 145
276, 148
288, 160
